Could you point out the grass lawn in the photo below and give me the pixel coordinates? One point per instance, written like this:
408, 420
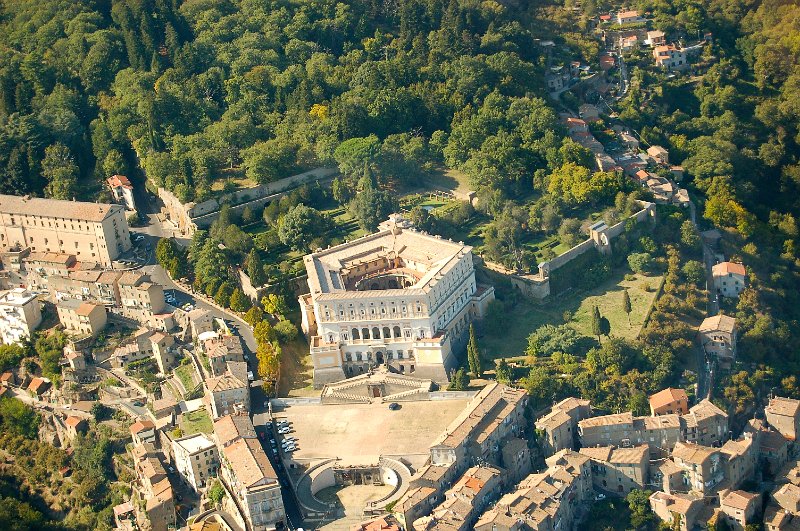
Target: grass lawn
185, 374
296, 370
197, 421
527, 316
450, 180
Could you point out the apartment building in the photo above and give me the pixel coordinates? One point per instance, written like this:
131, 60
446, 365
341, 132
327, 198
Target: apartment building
550, 500
20, 315
705, 424
495, 413
153, 497
668, 401
221, 350
90, 231
701, 465
196, 459
783, 414
718, 337
462, 504
164, 351
624, 430
227, 394
414, 504
82, 318
619, 470
140, 298
740, 508
40, 266
247, 472
739, 460
560, 425
231, 428
679, 510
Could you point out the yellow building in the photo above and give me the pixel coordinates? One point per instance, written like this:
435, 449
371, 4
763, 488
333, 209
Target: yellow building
90, 231
82, 318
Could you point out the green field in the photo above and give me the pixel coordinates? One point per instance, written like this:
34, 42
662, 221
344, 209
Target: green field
196, 422
527, 316
184, 373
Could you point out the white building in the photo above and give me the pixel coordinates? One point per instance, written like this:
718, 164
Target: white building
397, 297
196, 459
91, 231
122, 190
729, 278
20, 314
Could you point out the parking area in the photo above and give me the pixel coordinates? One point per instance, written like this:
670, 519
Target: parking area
362, 432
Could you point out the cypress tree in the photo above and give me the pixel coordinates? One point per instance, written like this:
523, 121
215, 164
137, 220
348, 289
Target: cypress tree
473, 356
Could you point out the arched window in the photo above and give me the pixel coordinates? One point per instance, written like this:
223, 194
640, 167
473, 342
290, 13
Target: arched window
348, 357
386, 332
355, 334
365, 333
397, 332
376, 333
358, 356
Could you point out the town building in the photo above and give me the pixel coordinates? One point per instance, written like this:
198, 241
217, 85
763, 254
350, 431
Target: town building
122, 190
668, 401
705, 424
143, 431
561, 424
20, 314
465, 501
670, 57
659, 154
82, 318
90, 231
729, 278
624, 430
39, 385
231, 428
248, 474
196, 459
140, 298
227, 394
74, 425
415, 503
739, 460
221, 350
740, 508
701, 465
381, 523
153, 497
677, 509
656, 38
629, 17
496, 412
783, 414
549, 500
164, 351
619, 470
718, 337
397, 297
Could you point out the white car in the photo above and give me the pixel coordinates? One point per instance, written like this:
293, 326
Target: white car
284, 429
289, 449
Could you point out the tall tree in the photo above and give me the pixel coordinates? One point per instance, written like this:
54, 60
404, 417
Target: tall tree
596, 326
626, 304
473, 355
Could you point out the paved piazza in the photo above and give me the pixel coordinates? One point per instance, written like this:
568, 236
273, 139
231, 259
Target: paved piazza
361, 432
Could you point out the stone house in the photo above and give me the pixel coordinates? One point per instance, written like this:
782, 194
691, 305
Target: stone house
718, 337
669, 400
783, 414
740, 508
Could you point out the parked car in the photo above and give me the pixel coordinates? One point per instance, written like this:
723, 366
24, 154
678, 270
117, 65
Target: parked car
290, 449
285, 429
394, 406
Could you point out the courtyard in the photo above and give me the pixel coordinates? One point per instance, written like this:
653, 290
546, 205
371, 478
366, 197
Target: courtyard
360, 433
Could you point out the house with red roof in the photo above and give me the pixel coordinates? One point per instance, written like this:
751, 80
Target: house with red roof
729, 278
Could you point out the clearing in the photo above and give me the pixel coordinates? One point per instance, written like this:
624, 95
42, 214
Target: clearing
527, 316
